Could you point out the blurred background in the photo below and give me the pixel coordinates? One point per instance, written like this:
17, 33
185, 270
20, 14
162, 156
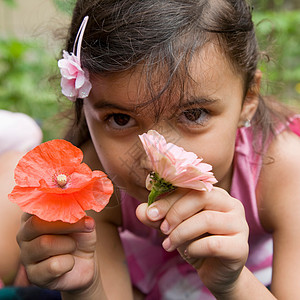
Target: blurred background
32, 35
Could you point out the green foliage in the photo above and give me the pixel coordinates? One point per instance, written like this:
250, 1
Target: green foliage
65, 6
11, 3
279, 35
25, 69
262, 5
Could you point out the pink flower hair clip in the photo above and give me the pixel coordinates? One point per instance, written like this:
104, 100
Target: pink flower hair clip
75, 80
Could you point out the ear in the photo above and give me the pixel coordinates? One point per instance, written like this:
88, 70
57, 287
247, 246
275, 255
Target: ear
251, 100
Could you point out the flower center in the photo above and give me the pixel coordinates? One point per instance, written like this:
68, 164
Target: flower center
61, 180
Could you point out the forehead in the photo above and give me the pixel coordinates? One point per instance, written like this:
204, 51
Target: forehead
208, 74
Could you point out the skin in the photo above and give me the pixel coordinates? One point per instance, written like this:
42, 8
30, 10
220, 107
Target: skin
184, 216
10, 215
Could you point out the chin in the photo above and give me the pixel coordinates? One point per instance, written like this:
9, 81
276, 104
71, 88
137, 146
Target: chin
140, 194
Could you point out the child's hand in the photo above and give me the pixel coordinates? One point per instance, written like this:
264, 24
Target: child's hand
59, 255
208, 229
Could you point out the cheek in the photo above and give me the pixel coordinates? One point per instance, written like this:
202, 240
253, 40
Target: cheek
221, 160
217, 150
108, 153
120, 157
221, 157
115, 162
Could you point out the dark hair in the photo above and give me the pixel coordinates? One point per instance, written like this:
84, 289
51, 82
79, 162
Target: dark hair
124, 34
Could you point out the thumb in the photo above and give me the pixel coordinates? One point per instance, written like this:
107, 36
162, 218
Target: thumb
142, 213
86, 241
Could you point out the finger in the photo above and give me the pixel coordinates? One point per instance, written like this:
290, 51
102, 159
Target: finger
45, 246
231, 248
158, 210
141, 213
25, 217
85, 243
196, 201
205, 222
47, 272
34, 227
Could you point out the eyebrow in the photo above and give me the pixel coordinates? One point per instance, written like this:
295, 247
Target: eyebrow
199, 101
103, 104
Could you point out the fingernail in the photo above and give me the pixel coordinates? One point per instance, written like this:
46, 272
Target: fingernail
186, 255
153, 213
165, 227
89, 223
166, 244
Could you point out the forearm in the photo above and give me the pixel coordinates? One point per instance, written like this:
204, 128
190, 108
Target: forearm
247, 287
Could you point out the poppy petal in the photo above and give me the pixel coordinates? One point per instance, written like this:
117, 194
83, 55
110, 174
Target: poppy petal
47, 207
53, 184
43, 160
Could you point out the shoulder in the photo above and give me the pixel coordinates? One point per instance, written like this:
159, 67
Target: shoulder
278, 187
279, 210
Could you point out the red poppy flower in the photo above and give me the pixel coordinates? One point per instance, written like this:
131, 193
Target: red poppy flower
53, 184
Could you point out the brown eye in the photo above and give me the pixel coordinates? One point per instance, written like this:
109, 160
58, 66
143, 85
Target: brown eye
118, 121
121, 119
196, 116
192, 115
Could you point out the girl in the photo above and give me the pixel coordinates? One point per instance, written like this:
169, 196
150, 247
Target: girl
189, 70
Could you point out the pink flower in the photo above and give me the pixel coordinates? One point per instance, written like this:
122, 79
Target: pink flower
75, 81
174, 165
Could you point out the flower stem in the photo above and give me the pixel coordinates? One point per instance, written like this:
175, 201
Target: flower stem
154, 193
159, 187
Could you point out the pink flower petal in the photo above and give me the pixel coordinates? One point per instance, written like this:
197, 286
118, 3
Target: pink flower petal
175, 165
68, 89
80, 79
85, 89
75, 81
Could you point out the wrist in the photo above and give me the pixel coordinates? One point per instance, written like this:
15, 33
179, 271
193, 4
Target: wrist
94, 291
246, 286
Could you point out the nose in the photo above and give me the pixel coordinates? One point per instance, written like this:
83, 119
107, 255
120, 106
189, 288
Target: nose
168, 131
145, 163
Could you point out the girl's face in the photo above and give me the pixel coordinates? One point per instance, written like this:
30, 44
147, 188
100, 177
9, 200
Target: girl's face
205, 122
